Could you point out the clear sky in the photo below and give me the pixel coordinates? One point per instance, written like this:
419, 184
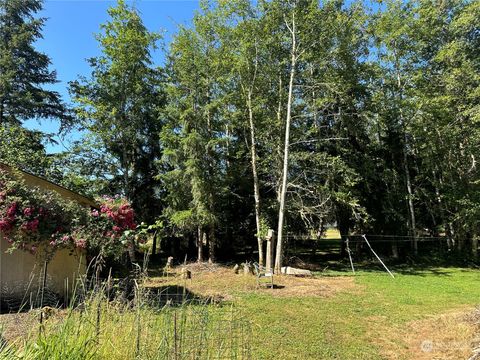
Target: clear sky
69, 38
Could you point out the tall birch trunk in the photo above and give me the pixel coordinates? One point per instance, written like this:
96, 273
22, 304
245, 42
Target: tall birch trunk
283, 191
411, 208
256, 184
408, 182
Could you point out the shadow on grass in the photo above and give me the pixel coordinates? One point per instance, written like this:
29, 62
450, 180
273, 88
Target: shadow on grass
264, 286
154, 271
176, 295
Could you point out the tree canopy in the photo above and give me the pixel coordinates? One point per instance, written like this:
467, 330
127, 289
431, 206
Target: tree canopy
275, 114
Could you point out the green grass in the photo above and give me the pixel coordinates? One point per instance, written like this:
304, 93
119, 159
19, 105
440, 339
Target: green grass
345, 325
331, 233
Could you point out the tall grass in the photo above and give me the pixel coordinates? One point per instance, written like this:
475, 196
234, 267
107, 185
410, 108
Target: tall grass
147, 325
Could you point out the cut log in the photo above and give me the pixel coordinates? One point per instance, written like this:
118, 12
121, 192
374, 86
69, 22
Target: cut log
288, 270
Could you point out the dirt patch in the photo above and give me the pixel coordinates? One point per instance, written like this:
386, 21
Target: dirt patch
290, 286
15, 326
215, 280
453, 335
21, 326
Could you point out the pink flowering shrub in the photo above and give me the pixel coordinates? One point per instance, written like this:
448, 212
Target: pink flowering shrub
110, 230
30, 217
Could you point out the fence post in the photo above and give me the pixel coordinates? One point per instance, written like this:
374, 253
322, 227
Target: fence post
270, 246
42, 296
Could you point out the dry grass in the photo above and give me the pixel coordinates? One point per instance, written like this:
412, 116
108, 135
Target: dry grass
15, 326
448, 336
20, 326
221, 282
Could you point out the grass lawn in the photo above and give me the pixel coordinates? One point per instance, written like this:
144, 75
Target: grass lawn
366, 316
421, 314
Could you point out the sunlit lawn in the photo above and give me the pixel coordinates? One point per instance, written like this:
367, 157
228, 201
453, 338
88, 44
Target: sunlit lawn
333, 316
368, 323
373, 317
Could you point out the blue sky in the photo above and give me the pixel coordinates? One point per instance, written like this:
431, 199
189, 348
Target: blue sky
69, 38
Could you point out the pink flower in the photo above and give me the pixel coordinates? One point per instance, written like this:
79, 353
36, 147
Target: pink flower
28, 211
81, 243
117, 228
32, 225
95, 213
12, 209
5, 225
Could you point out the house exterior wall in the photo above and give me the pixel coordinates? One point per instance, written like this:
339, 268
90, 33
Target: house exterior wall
20, 268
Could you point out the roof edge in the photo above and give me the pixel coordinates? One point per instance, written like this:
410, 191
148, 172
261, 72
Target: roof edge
63, 191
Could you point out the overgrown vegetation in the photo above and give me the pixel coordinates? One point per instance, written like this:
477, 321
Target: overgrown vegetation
268, 119
289, 115
158, 325
369, 316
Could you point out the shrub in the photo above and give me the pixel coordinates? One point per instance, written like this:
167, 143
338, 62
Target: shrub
32, 219
111, 229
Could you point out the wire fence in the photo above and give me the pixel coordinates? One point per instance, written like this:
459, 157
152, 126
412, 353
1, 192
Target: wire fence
197, 333
398, 246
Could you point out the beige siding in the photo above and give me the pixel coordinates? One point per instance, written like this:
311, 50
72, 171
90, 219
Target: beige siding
20, 268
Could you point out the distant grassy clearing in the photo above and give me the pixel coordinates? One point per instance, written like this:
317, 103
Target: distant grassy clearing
331, 233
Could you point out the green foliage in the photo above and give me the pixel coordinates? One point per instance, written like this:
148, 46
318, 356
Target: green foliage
42, 221
193, 138
23, 69
119, 106
24, 149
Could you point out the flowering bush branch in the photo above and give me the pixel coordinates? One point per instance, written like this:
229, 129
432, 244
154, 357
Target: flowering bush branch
32, 218
110, 230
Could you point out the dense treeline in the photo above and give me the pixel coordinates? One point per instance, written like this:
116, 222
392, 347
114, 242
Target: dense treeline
280, 114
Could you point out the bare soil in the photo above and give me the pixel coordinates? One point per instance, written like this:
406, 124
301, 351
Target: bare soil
219, 281
14, 326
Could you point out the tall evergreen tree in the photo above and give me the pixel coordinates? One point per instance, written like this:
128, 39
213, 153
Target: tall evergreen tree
24, 70
196, 131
